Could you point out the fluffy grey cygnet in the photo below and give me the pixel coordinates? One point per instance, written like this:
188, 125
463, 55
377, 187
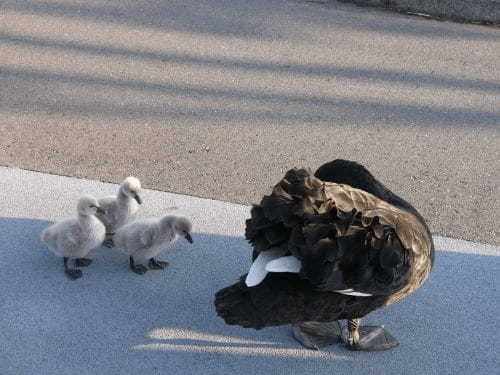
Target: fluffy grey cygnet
143, 240
121, 208
74, 238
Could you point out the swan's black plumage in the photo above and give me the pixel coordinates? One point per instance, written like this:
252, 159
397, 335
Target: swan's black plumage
358, 236
356, 175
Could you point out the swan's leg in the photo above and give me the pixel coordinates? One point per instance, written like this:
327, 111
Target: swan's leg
108, 241
368, 338
82, 262
72, 273
317, 335
137, 268
353, 332
156, 264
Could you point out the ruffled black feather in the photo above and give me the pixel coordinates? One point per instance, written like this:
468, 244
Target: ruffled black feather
286, 299
339, 250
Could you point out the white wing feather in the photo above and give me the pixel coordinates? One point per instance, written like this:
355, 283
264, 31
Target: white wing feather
258, 271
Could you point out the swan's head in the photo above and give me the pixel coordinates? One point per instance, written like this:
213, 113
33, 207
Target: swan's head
88, 205
130, 187
180, 225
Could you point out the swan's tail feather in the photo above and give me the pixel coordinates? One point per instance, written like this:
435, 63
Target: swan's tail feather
285, 299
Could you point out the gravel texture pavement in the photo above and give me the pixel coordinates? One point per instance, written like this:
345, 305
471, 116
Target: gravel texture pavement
218, 99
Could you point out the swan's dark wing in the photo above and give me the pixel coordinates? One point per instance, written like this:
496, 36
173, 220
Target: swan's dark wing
361, 258
357, 176
346, 239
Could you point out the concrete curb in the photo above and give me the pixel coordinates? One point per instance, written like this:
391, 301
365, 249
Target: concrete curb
478, 11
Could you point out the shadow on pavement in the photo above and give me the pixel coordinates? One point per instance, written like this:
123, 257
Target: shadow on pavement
310, 70
115, 321
285, 110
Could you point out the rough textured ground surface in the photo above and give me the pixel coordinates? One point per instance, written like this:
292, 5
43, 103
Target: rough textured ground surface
219, 98
115, 322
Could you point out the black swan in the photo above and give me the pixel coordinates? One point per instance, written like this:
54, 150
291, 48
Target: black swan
331, 246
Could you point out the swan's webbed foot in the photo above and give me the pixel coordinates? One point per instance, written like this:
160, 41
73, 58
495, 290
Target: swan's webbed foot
82, 262
368, 338
137, 268
156, 264
317, 335
72, 273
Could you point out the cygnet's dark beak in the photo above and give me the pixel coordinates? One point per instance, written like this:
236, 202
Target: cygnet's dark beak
189, 238
137, 198
99, 210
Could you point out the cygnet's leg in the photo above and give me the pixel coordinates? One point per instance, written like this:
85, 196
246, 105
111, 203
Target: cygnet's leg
72, 273
156, 264
137, 268
368, 338
82, 262
317, 335
108, 241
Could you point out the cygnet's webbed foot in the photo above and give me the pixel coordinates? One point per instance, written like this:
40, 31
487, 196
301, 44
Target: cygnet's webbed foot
72, 273
108, 242
83, 262
155, 264
317, 335
137, 268
368, 338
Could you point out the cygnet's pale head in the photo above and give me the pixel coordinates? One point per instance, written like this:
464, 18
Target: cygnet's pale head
88, 205
180, 225
130, 187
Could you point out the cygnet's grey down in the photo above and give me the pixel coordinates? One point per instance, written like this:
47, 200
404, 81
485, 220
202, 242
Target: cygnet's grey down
74, 238
143, 240
121, 208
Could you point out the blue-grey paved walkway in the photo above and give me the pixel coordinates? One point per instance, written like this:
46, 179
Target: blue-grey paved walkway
115, 322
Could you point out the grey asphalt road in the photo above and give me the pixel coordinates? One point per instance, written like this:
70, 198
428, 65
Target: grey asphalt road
113, 321
218, 99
